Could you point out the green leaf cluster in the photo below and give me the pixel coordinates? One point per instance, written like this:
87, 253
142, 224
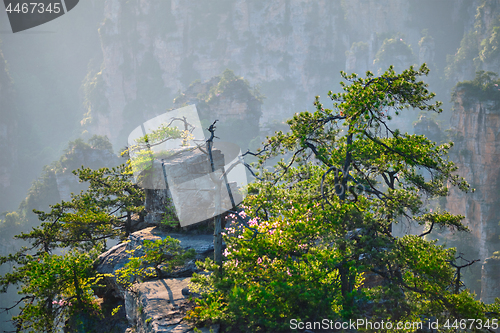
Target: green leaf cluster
55, 287
158, 257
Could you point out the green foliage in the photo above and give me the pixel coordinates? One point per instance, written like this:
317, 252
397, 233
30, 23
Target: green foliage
104, 211
489, 46
95, 99
143, 155
318, 225
11, 225
101, 142
480, 46
485, 86
393, 50
162, 255
56, 287
160, 135
169, 220
465, 54
282, 274
229, 84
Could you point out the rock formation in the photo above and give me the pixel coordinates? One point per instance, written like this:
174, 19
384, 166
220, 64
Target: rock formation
9, 138
116, 257
181, 185
292, 49
229, 99
490, 277
478, 48
158, 305
428, 127
475, 126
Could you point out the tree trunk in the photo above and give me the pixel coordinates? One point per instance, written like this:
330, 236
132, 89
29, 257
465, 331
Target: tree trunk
217, 228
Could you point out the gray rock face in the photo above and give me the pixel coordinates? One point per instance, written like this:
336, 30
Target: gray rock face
159, 306
268, 43
191, 186
428, 127
476, 126
116, 257
183, 168
490, 279
109, 262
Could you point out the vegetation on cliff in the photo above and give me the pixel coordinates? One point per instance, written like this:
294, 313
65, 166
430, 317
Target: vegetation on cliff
485, 86
55, 287
479, 48
229, 97
394, 50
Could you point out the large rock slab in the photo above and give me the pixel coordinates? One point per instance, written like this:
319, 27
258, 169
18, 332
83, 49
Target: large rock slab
116, 257
202, 244
159, 307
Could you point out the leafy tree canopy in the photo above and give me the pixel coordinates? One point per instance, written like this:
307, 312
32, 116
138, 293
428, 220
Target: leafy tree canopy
314, 239
483, 87
57, 287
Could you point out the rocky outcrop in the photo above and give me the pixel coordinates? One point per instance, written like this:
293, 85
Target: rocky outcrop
160, 306
156, 204
479, 46
476, 131
181, 186
426, 50
490, 278
429, 127
116, 257
153, 49
181, 183
229, 99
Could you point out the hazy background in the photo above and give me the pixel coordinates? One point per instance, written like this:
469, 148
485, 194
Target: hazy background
108, 65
